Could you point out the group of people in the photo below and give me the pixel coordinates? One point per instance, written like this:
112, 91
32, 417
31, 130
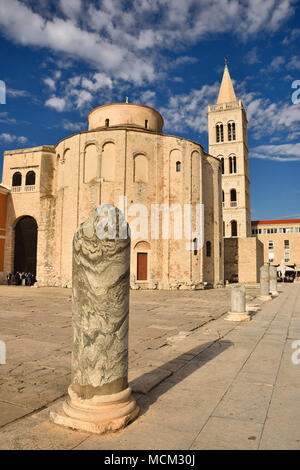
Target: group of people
21, 279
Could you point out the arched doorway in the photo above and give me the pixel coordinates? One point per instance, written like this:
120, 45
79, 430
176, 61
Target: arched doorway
25, 245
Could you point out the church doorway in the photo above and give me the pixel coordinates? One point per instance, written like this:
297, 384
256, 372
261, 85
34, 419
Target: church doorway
25, 245
142, 266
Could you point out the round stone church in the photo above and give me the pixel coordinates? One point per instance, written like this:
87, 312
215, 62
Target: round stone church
124, 156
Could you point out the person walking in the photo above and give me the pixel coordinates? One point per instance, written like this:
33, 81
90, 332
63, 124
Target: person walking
29, 279
9, 279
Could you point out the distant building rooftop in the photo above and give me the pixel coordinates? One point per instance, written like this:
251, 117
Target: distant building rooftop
273, 222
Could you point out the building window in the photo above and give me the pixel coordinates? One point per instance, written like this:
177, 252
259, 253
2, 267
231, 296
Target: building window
222, 164
289, 230
233, 130
233, 198
195, 246
178, 167
223, 197
271, 257
286, 244
220, 249
146, 124
297, 229
234, 228
208, 249
220, 133
30, 178
229, 132
17, 179
286, 257
270, 245
234, 164
106, 122
230, 165
282, 230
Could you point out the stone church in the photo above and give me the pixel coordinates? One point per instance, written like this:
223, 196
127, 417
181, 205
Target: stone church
50, 190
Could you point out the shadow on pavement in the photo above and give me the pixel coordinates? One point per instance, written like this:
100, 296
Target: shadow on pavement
150, 386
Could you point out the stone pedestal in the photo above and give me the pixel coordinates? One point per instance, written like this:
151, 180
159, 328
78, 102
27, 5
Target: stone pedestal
273, 281
99, 397
265, 283
238, 305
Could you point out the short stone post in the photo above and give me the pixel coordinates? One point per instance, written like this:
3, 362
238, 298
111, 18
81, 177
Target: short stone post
99, 397
273, 281
238, 304
265, 283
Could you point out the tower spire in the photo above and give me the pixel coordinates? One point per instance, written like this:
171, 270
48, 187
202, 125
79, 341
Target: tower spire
226, 93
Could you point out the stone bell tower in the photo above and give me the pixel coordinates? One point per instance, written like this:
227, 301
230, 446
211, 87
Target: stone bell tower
228, 140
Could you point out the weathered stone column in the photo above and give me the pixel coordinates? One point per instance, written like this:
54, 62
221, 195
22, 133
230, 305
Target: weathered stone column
273, 281
238, 304
99, 397
265, 282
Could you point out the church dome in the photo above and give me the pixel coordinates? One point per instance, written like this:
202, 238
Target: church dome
125, 115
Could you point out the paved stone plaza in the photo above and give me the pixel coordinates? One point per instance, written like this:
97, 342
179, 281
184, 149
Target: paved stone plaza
201, 382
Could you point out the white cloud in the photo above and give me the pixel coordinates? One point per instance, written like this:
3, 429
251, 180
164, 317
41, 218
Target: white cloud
189, 110
279, 153
50, 83
74, 126
17, 93
71, 8
126, 40
148, 98
59, 104
294, 63
9, 139
99, 80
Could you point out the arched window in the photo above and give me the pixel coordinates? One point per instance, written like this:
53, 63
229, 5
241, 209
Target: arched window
230, 165
178, 167
17, 179
223, 167
233, 130
233, 228
234, 165
195, 245
218, 133
30, 178
221, 133
208, 249
106, 122
233, 197
140, 169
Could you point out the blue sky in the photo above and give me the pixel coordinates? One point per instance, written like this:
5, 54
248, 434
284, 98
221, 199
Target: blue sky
61, 58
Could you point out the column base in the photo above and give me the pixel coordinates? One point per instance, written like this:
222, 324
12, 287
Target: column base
275, 293
265, 298
238, 316
100, 414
